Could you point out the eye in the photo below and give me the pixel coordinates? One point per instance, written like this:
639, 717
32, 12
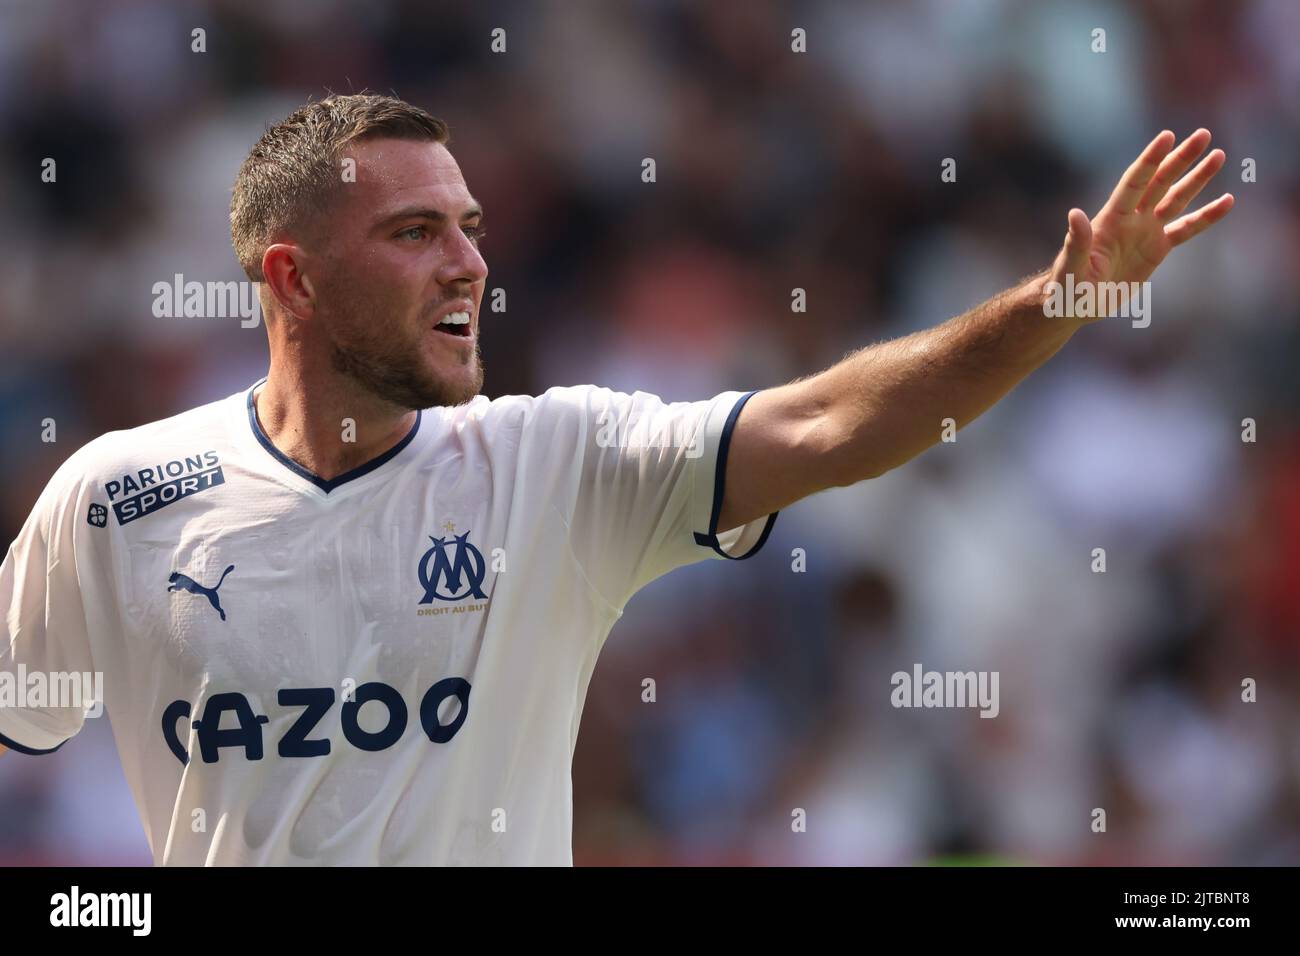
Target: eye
413, 232
476, 234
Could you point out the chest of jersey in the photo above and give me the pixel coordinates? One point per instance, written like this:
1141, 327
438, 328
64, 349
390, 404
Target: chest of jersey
310, 599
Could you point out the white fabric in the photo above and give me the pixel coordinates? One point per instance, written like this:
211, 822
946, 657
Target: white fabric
574, 499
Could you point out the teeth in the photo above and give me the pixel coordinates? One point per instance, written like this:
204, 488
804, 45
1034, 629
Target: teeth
456, 318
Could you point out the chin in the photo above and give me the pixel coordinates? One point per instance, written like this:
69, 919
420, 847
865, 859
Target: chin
454, 386
406, 379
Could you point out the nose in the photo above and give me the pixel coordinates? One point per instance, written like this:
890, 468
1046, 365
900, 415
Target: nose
461, 261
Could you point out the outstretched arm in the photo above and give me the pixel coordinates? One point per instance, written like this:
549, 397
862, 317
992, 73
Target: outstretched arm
884, 404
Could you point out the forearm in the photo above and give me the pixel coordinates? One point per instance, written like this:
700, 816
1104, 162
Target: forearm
887, 403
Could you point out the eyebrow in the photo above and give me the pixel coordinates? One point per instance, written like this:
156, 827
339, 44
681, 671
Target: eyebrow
425, 212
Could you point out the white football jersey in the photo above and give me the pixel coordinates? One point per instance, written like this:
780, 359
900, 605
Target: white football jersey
385, 668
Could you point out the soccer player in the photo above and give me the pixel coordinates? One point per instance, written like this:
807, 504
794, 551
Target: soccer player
349, 615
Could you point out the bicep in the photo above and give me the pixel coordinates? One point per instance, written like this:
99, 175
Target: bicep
780, 452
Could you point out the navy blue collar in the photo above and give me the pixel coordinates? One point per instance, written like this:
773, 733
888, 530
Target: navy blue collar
300, 471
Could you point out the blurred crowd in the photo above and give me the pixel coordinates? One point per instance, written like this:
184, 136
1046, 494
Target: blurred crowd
772, 738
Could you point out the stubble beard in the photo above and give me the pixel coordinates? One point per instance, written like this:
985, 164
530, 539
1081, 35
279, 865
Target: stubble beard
396, 374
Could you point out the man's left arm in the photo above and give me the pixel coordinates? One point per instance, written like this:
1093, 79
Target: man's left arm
885, 404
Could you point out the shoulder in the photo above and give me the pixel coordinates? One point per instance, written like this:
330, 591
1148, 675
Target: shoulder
196, 436
561, 404
565, 416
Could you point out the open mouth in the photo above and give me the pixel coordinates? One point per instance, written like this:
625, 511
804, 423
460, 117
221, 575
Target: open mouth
454, 323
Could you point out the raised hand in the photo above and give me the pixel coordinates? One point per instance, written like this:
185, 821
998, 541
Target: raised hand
1143, 219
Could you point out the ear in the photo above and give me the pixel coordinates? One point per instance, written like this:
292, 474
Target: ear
282, 272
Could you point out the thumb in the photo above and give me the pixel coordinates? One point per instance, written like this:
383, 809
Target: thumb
1073, 257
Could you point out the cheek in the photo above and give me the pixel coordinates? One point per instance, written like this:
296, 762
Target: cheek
370, 295
403, 289
377, 298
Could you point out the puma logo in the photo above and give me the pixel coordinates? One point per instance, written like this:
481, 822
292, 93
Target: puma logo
183, 582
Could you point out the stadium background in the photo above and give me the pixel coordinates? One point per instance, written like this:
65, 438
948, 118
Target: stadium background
775, 170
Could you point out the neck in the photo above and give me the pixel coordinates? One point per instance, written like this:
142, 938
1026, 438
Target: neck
327, 431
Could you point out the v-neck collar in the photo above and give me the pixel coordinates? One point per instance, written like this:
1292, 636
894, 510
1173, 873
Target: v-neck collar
324, 485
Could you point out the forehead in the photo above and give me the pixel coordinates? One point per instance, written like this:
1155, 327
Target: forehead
393, 173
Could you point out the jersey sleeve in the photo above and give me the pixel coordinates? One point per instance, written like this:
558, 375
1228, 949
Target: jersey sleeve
647, 478
44, 645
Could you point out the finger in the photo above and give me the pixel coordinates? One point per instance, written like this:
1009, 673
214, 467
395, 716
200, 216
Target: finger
1134, 181
1194, 223
1187, 188
1073, 257
1078, 243
1173, 166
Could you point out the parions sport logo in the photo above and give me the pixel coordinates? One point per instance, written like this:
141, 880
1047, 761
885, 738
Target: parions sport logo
143, 492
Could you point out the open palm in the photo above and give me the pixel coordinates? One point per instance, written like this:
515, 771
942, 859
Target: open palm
1144, 217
